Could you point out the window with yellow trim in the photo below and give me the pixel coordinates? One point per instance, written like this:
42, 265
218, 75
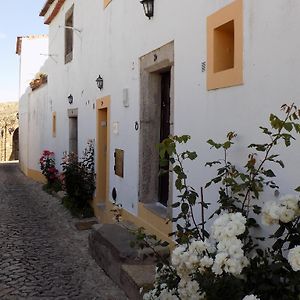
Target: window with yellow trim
225, 47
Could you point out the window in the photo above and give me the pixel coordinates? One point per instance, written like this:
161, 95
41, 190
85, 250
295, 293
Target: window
225, 47
54, 124
69, 23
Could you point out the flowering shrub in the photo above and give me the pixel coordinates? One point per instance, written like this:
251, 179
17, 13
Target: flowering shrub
47, 164
79, 180
231, 262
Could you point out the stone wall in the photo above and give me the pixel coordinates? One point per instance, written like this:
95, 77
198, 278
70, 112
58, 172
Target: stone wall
9, 131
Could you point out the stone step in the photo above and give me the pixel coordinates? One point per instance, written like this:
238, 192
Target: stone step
136, 280
130, 268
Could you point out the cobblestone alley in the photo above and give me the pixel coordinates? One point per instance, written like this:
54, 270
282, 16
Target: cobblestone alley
42, 255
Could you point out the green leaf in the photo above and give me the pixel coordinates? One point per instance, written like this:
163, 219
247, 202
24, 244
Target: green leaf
178, 184
164, 244
297, 127
176, 204
269, 173
185, 138
211, 163
260, 252
192, 198
276, 123
227, 145
256, 209
280, 162
278, 244
288, 126
297, 189
217, 179
259, 147
265, 130
208, 184
279, 232
185, 208
213, 144
192, 155
177, 169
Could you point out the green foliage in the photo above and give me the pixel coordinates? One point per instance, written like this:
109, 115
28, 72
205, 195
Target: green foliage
78, 212
79, 179
269, 274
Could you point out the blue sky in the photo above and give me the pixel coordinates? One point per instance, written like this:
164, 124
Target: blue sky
17, 18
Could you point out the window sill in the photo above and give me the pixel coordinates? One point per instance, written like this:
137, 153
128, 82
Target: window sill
157, 209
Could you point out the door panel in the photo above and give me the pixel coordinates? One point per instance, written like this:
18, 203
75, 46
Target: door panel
163, 184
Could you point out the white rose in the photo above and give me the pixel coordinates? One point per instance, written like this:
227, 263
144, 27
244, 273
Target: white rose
274, 210
236, 251
287, 215
219, 263
294, 258
228, 225
233, 266
188, 289
206, 262
271, 213
199, 246
268, 220
290, 201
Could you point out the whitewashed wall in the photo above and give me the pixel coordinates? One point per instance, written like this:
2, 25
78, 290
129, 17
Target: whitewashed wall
33, 56
110, 44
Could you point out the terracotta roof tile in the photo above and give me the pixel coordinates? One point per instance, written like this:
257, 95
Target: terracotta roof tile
46, 7
54, 12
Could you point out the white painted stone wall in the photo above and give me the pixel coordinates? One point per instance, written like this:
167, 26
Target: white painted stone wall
110, 44
34, 53
33, 56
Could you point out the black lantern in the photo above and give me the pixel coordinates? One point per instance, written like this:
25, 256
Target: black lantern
99, 81
148, 8
70, 99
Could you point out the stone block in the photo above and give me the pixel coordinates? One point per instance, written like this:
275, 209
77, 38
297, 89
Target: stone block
136, 277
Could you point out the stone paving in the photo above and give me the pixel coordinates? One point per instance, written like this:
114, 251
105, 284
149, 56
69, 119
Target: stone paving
42, 255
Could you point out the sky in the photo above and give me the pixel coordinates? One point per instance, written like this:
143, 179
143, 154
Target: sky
17, 18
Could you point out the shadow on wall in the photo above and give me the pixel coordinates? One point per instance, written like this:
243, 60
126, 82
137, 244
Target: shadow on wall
15, 146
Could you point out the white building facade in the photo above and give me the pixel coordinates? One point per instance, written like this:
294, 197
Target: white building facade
201, 68
33, 53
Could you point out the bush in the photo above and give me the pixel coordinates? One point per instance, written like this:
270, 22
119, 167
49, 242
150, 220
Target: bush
47, 165
79, 179
230, 261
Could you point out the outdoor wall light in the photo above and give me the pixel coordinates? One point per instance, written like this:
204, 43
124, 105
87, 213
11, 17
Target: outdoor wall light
148, 8
99, 82
70, 99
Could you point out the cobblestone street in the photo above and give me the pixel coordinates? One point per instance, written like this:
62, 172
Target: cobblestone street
42, 255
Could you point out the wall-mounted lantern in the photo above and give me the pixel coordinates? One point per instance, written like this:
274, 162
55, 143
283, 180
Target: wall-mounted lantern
70, 99
99, 82
148, 8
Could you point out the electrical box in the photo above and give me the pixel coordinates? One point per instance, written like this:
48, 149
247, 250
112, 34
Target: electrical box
119, 162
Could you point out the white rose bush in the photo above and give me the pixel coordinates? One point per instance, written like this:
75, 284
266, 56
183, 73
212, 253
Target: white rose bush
232, 259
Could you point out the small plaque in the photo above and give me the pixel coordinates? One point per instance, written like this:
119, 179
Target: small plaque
119, 162
115, 128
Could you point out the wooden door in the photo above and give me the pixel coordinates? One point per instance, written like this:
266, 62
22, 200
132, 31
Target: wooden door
163, 185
